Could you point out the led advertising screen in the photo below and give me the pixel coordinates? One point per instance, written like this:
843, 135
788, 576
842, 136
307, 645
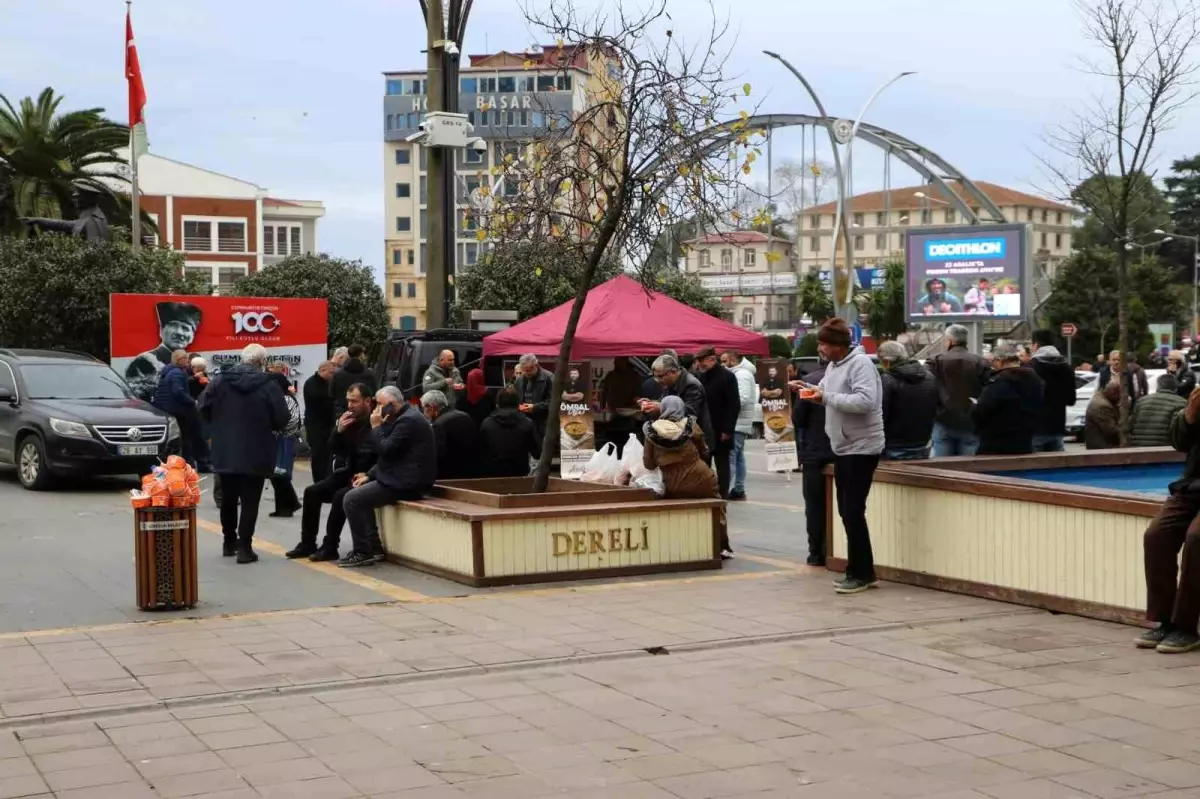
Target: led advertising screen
966, 274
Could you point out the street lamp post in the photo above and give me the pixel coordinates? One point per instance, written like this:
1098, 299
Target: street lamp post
1195, 240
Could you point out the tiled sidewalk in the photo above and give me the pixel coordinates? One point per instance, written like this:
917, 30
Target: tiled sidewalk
932, 696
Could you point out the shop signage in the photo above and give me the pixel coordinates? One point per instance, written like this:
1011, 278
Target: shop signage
592, 542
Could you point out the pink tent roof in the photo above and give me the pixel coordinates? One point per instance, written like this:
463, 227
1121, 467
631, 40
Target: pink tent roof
621, 318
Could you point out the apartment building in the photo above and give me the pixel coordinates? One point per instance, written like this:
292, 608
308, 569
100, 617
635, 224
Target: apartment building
754, 274
226, 227
509, 98
878, 221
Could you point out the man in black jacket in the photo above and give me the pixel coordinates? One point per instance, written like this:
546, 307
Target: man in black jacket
353, 452
353, 371
534, 386
960, 376
508, 439
676, 382
319, 419
456, 436
1059, 379
724, 405
910, 401
406, 470
245, 408
815, 451
1185, 378
1007, 412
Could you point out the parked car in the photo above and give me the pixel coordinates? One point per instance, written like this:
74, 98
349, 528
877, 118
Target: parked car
1085, 389
402, 359
63, 413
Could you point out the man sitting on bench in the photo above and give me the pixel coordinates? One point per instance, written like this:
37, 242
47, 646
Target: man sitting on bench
406, 470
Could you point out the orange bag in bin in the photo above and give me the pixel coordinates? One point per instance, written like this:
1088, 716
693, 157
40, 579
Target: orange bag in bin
176, 462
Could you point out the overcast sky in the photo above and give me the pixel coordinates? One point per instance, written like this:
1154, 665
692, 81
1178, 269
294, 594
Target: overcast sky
289, 94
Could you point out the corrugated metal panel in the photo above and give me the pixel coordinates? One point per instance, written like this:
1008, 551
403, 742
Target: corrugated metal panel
1069, 552
431, 538
528, 546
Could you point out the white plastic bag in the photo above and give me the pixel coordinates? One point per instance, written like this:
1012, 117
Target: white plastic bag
603, 467
631, 458
652, 480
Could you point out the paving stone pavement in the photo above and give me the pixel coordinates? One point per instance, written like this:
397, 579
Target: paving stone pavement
769, 687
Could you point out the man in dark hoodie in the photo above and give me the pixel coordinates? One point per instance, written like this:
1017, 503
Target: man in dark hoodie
508, 439
1059, 379
910, 401
815, 452
352, 371
1006, 414
960, 376
245, 408
319, 419
405, 470
724, 404
1172, 579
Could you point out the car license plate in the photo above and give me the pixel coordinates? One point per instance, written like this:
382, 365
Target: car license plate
137, 449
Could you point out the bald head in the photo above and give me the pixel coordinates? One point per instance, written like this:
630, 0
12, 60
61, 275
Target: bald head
446, 360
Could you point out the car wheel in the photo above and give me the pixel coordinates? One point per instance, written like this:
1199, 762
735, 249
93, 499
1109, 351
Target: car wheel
31, 464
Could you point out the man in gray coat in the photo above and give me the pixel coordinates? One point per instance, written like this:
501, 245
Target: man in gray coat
442, 375
852, 394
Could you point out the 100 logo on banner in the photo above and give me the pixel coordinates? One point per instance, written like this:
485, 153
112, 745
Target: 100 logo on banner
254, 322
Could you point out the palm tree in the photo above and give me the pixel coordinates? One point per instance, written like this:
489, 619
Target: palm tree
45, 155
884, 306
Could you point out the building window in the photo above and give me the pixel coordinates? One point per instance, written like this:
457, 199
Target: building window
416, 87
424, 260
487, 85
750, 257
950, 216
881, 241
510, 119
748, 317
390, 119
814, 221
471, 254
404, 224
1045, 216
467, 221
814, 244
395, 86
1058, 241
221, 276
422, 191
926, 216
424, 224
545, 83
1044, 240
726, 260
859, 243
412, 291
859, 220
507, 85
539, 119
563, 83
281, 240
404, 190
473, 156
411, 257
904, 217
880, 219
468, 85
198, 235
408, 323
1059, 218
397, 290
705, 259
421, 158
523, 119
780, 314
1028, 214
403, 156
526, 83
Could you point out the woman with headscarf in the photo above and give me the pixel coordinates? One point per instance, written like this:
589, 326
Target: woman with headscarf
286, 501
476, 401
675, 445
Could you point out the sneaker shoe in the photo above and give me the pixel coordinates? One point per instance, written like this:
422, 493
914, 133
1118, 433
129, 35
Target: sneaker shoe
852, 585
737, 496
246, 554
324, 555
302, 550
357, 560
1178, 642
379, 557
1152, 638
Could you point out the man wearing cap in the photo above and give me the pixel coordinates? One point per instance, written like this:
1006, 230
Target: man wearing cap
177, 326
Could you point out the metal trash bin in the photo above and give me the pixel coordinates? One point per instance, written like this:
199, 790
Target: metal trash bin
165, 558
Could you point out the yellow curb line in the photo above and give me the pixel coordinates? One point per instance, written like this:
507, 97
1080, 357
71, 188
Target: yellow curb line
381, 587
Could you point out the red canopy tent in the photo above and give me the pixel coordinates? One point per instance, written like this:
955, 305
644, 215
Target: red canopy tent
622, 318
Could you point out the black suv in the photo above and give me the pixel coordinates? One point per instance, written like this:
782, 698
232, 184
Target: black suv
62, 413
401, 361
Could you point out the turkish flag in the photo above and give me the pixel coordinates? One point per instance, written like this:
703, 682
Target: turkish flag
133, 74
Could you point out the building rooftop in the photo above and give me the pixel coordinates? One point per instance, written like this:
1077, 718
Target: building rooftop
742, 237
906, 199
549, 56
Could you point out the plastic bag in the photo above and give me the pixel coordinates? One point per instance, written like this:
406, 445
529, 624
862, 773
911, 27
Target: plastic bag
652, 480
631, 458
603, 467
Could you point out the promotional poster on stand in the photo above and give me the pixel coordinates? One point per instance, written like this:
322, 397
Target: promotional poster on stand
146, 328
576, 422
967, 274
776, 401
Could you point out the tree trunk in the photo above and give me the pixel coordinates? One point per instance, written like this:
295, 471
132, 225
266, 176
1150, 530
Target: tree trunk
1122, 340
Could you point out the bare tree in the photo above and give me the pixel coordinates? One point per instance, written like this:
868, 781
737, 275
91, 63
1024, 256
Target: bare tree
1106, 154
800, 185
611, 177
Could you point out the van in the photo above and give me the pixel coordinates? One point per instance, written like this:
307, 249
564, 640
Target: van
402, 359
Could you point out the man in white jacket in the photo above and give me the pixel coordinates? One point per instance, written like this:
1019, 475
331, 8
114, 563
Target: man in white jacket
852, 394
747, 383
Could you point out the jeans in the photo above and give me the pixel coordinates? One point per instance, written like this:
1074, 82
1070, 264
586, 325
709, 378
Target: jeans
906, 454
815, 508
852, 476
281, 481
1176, 527
244, 490
737, 460
1048, 444
333, 490
360, 505
947, 441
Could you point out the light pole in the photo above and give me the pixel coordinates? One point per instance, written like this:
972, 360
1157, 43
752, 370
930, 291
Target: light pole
1195, 240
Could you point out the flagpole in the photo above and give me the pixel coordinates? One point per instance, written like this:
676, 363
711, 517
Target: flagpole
135, 221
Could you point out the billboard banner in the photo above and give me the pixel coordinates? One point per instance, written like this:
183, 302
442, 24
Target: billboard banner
146, 328
775, 400
576, 422
1164, 337
957, 274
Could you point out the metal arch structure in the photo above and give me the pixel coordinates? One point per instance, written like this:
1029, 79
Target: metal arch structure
925, 162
